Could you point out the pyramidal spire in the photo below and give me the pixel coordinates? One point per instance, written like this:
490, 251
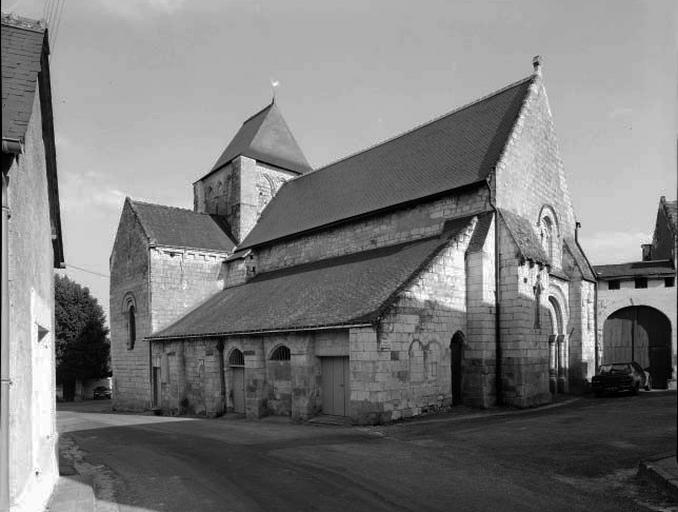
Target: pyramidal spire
266, 137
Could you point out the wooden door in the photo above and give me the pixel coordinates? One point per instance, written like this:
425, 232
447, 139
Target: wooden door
156, 386
335, 385
238, 388
456, 357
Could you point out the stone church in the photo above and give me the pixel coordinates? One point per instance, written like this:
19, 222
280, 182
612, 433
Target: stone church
436, 268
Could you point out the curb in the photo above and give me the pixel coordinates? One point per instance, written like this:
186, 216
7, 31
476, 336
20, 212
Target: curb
661, 470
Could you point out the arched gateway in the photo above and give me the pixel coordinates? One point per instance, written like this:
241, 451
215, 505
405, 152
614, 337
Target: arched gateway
641, 334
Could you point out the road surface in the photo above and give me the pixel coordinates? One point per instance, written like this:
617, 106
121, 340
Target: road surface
581, 455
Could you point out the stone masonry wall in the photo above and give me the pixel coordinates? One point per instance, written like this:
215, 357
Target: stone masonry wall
191, 383
403, 369
531, 173
479, 349
403, 225
656, 296
181, 279
129, 270
524, 344
663, 239
32, 428
240, 191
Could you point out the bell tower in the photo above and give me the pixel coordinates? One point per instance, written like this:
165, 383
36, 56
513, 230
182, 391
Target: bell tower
259, 159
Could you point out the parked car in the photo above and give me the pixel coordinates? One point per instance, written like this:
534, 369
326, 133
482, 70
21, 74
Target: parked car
101, 393
620, 377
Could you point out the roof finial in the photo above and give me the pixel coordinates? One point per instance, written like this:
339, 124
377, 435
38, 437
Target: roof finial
274, 84
536, 64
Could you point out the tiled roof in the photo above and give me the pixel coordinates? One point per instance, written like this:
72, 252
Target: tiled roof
346, 290
580, 259
22, 46
457, 149
178, 227
635, 268
266, 137
525, 237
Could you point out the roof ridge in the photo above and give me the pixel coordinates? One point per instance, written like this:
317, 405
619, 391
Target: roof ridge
418, 126
258, 112
23, 23
663, 260
135, 201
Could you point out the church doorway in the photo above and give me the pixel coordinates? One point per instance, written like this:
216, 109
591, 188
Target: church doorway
557, 349
456, 359
335, 385
236, 363
641, 334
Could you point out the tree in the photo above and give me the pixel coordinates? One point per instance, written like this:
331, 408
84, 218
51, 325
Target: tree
83, 350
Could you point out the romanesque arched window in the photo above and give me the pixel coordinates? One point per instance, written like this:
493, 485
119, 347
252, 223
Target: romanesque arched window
550, 234
236, 358
129, 311
281, 353
416, 357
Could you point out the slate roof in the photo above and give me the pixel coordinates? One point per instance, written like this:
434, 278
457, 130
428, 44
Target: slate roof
521, 230
178, 227
458, 149
635, 269
580, 259
480, 232
22, 45
266, 137
346, 290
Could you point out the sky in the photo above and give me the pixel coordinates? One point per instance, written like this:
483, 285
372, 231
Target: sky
147, 94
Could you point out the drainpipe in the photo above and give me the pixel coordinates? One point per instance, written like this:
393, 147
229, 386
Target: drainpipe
4, 353
498, 373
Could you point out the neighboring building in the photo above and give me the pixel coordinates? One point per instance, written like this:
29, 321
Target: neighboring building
32, 248
436, 268
637, 304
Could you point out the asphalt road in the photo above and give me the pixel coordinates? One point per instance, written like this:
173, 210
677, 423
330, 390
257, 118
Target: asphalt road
581, 455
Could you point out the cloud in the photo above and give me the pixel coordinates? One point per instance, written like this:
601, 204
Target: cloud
614, 246
138, 10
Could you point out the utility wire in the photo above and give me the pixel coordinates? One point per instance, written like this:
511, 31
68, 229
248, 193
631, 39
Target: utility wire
68, 265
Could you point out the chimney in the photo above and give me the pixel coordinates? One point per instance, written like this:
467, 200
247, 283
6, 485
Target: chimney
647, 251
536, 64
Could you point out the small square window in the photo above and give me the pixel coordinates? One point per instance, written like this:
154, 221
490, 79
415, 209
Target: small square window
641, 282
669, 282
613, 285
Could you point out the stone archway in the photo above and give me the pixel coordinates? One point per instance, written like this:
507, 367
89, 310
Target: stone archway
641, 334
557, 348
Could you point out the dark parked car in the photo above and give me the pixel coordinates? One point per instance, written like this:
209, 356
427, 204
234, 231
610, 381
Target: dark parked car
620, 377
101, 392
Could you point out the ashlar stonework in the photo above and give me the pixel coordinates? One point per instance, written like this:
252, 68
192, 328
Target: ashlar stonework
459, 279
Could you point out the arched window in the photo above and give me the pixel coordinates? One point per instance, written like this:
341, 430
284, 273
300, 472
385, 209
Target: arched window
236, 358
129, 311
131, 327
547, 237
416, 366
282, 353
549, 231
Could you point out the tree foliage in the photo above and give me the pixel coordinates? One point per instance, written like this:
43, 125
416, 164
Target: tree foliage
82, 347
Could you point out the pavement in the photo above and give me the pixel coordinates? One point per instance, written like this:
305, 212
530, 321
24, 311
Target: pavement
662, 471
458, 450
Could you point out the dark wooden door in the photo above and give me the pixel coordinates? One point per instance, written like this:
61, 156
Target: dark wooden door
238, 388
156, 386
335, 385
456, 358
